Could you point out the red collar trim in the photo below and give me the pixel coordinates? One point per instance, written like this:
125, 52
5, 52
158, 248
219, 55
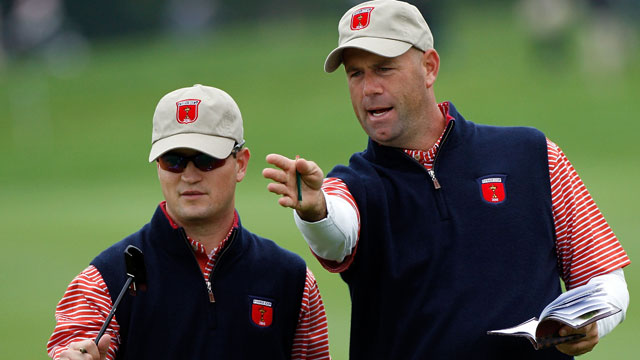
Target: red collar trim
163, 206
444, 108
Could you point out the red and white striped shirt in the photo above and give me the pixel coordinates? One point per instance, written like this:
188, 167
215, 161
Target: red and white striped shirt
86, 304
585, 244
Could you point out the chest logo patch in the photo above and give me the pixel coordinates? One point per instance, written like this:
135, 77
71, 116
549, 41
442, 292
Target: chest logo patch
360, 18
187, 110
493, 188
261, 312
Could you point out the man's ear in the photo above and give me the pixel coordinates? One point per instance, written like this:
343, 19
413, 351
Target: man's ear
431, 64
242, 162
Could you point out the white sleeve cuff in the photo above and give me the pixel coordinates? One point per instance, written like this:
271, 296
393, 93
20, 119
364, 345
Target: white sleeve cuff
617, 294
334, 237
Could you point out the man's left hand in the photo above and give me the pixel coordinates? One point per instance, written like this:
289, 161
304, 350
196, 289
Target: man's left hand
582, 345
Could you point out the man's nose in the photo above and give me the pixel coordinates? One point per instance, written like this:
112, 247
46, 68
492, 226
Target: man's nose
371, 84
191, 173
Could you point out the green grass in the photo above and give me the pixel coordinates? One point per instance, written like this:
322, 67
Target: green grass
77, 145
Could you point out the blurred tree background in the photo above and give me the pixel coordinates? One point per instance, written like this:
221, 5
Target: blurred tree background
79, 81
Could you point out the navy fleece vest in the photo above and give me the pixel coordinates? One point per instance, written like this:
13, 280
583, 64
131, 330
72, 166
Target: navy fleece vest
435, 269
174, 318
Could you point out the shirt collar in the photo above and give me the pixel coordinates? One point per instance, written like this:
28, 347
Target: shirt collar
196, 245
427, 156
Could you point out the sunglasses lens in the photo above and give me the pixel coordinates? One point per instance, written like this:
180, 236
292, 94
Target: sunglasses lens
177, 163
172, 162
207, 163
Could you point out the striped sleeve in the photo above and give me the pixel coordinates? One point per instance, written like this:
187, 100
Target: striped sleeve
585, 244
81, 312
311, 340
336, 187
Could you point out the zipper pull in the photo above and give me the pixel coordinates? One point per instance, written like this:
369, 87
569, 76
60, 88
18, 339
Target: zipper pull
211, 298
436, 184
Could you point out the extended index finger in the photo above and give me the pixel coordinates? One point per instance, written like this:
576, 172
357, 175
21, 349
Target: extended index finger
280, 161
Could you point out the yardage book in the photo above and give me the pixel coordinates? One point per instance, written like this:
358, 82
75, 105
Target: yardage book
577, 307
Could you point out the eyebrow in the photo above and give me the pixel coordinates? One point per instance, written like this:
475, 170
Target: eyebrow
379, 64
385, 62
350, 69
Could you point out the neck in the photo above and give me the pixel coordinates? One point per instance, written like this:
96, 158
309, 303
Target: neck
210, 233
434, 122
439, 122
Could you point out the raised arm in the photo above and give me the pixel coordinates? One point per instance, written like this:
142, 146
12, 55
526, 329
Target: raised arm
327, 216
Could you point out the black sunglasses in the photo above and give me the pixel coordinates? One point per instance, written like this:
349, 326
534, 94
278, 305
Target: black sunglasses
176, 162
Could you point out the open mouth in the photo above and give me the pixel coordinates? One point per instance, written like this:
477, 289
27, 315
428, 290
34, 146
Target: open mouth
379, 112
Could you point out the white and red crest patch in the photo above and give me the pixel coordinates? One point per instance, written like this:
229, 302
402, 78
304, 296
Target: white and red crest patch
493, 188
361, 18
261, 312
187, 110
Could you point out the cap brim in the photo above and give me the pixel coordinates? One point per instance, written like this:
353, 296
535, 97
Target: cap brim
379, 46
216, 146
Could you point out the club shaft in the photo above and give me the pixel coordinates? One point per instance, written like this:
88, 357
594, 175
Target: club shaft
113, 309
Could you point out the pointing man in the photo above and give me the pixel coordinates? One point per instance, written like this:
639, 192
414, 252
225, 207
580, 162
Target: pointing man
444, 229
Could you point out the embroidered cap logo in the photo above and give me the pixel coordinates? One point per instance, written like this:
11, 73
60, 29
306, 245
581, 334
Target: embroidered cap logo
360, 18
187, 110
262, 312
493, 188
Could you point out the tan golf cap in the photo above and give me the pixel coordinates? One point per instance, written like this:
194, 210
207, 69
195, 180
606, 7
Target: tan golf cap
201, 118
384, 27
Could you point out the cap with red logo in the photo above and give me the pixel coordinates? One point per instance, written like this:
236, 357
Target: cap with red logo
200, 117
384, 27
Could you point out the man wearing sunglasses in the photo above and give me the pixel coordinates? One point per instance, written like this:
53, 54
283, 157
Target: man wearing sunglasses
214, 289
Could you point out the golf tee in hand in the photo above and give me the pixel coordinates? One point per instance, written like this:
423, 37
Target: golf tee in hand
296, 179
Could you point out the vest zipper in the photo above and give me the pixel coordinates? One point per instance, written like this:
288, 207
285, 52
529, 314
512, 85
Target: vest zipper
432, 171
212, 299
439, 197
436, 184
208, 283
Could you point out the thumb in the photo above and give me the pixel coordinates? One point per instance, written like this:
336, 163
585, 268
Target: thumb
103, 346
564, 331
310, 171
